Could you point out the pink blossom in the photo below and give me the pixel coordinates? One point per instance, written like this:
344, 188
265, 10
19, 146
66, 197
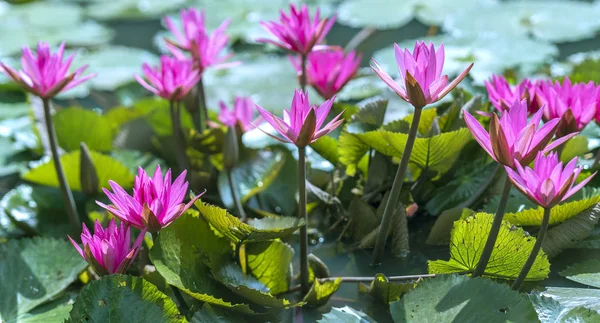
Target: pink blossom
503, 95
548, 183
421, 81
242, 114
303, 124
46, 74
574, 103
206, 49
296, 32
512, 137
329, 70
172, 80
109, 250
155, 203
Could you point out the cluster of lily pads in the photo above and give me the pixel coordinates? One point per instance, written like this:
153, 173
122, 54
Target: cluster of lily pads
206, 211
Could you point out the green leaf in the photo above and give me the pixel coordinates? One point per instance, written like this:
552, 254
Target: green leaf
133, 159
454, 298
258, 230
569, 234
363, 218
75, 125
252, 176
319, 293
575, 297
352, 151
385, 291
587, 272
327, 147
34, 271
576, 146
182, 254
558, 214
211, 314
54, 312
131, 9
440, 233
345, 314
107, 169
551, 311
270, 263
248, 287
508, 257
119, 298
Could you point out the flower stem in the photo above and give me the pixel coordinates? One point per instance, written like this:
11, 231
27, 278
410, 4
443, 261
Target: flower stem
303, 75
178, 135
302, 215
534, 252
390, 206
234, 195
203, 114
64, 185
496, 224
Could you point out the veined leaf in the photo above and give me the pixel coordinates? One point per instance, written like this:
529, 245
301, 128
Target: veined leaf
453, 298
213, 314
386, 291
551, 311
75, 125
570, 233
107, 169
575, 297
56, 311
319, 293
587, 272
260, 230
425, 122
352, 151
270, 263
327, 147
558, 214
508, 257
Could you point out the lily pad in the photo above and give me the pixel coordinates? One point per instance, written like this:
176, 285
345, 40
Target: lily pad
54, 312
551, 311
558, 214
568, 234
587, 272
319, 293
575, 297
345, 314
133, 9
270, 263
76, 125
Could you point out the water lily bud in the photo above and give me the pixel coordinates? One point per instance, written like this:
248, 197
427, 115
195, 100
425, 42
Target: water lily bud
230, 148
87, 173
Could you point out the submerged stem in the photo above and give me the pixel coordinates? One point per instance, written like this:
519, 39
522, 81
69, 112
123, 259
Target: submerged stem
494, 230
236, 198
534, 251
62, 180
390, 206
178, 135
303, 71
302, 215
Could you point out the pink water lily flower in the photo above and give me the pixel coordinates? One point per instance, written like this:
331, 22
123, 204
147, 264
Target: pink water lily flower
421, 80
156, 202
45, 74
574, 103
241, 115
172, 79
548, 183
296, 32
329, 70
503, 95
206, 49
513, 137
109, 250
303, 123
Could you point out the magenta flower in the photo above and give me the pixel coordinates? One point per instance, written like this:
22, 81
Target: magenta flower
548, 183
242, 114
421, 81
296, 32
303, 124
46, 74
109, 250
172, 80
329, 70
574, 103
502, 95
155, 203
512, 137
206, 49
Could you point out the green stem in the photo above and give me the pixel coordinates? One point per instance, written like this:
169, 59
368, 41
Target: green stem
303, 75
534, 252
64, 185
302, 215
203, 114
178, 135
386, 221
494, 230
236, 198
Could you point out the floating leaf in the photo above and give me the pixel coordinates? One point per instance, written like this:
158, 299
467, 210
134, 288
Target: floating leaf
453, 298
575, 297
258, 230
133, 9
558, 214
33, 272
508, 257
54, 312
270, 263
119, 298
587, 272
345, 314
108, 169
385, 291
551, 311
440, 233
319, 293
75, 125
566, 235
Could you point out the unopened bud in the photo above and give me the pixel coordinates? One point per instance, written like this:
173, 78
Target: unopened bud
87, 172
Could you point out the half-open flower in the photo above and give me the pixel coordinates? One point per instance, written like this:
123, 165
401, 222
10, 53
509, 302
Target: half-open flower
503, 95
156, 202
172, 79
45, 74
512, 137
296, 32
303, 123
242, 114
548, 183
421, 80
109, 250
